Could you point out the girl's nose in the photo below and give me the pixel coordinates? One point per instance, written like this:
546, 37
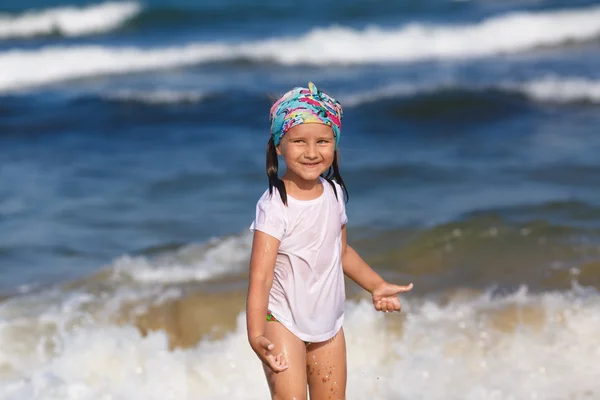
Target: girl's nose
311, 151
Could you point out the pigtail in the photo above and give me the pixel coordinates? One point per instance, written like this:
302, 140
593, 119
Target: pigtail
334, 173
273, 171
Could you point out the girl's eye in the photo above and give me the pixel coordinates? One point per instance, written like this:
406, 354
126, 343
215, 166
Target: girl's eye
323, 141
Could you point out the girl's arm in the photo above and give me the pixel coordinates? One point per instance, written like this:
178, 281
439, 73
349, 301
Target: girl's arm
357, 269
385, 295
262, 267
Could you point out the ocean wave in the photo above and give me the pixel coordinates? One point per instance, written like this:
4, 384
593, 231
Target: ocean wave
540, 245
68, 21
547, 89
190, 263
17, 69
446, 104
475, 342
509, 33
45, 318
390, 91
556, 89
550, 88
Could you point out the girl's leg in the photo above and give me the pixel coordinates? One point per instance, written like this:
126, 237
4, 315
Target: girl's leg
291, 383
326, 368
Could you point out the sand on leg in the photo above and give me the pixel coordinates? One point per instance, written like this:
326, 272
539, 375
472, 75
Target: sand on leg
291, 383
326, 368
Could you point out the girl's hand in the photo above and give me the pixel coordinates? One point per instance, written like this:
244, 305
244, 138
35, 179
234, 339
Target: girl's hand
263, 349
385, 296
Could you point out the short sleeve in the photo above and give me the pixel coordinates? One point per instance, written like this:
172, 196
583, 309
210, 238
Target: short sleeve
270, 219
343, 215
342, 203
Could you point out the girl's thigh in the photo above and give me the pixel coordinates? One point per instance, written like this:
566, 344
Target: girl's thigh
326, 368
291, 383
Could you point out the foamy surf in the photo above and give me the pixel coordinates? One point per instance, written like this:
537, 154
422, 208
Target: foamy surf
390, 91
563, 90
201, 262
33, 326
521, 346
64, 63
68, 21
509, 33
550, 88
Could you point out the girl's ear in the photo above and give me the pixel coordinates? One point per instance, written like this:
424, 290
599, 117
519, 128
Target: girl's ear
278, 149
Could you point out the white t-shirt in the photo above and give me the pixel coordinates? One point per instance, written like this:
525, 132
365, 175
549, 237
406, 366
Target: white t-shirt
308, 292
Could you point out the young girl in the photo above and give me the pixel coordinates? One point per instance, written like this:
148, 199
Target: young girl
296, 295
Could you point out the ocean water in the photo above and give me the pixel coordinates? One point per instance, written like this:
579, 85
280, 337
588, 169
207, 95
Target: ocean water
132, 139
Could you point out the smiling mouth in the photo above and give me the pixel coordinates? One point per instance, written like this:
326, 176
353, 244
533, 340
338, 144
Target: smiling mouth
311, 165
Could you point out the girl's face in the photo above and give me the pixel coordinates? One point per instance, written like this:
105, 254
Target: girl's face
308, 151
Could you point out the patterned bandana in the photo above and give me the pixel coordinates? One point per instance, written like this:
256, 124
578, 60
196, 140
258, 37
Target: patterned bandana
302, 106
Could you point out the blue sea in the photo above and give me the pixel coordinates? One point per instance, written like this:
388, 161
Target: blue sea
132, 154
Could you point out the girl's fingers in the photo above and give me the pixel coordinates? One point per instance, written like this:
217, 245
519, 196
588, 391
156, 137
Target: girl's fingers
277, 364
394, 305
391, 305
277, 368
282, 362
387, 305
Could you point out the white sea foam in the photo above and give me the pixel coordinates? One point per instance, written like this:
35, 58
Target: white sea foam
563, 90
18, 67
551, 88
191, 263
520, 347
393, 90
68, 21
33, 326
509, 33
38, 325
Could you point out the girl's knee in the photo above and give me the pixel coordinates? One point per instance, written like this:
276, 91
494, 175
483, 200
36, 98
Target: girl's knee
289, 396
290, 384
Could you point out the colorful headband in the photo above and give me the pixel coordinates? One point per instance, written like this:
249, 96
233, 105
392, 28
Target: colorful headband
301, 106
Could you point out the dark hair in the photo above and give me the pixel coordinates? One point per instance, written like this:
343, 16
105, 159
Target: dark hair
273, 169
